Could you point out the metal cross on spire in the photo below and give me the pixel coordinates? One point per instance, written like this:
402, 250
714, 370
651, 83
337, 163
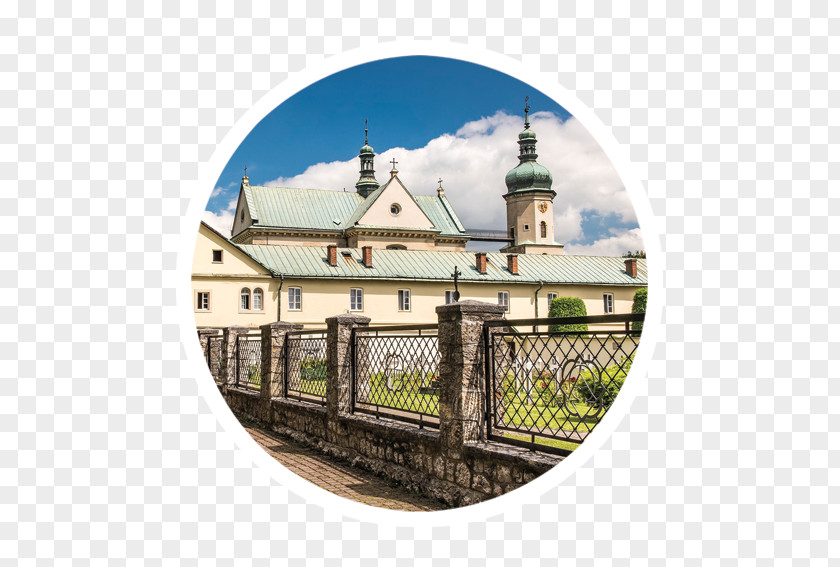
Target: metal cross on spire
527, 108
394, 163
366, 130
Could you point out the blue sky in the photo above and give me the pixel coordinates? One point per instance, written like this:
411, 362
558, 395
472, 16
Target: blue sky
444, 114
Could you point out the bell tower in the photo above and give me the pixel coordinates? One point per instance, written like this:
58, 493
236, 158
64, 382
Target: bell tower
530, 200
367, 182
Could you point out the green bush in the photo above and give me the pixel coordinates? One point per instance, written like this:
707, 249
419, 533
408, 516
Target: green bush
567, 307
639, 306
313, 369
596, 392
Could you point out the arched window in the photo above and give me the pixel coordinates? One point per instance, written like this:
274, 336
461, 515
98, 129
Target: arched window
245, 299
258, 299
543, 229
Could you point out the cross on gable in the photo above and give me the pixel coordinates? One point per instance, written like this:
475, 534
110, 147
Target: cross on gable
394, 163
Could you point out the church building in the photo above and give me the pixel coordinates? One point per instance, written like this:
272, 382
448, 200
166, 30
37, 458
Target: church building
302, 255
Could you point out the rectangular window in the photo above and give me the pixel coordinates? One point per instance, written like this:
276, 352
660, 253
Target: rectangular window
202, 302
608, 303
356, 299
449, 295
404, 299
217, 256
504, 300
294, 299
551, 297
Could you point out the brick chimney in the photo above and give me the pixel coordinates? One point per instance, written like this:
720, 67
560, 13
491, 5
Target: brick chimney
481, 262
513, 264
367, 256
630, 267
332, 255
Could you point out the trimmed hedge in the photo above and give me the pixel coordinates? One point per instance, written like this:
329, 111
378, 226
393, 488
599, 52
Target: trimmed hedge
567, 307
639, 306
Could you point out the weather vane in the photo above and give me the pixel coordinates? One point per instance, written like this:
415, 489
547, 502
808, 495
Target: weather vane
455, 275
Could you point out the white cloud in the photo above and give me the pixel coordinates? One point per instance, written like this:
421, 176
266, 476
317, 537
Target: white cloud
223, 220
615, 245
473, 163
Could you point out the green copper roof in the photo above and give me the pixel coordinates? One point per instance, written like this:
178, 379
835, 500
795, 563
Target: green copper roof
319, 209
432, 265
526, 176
286, 207
440, 212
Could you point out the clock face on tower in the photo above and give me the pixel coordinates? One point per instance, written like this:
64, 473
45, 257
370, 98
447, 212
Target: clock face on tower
543, 206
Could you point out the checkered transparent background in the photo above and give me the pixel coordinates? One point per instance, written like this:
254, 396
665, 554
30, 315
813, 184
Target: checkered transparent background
107, 114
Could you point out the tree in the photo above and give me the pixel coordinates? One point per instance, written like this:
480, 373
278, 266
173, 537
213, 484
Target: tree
567, 307
639, 306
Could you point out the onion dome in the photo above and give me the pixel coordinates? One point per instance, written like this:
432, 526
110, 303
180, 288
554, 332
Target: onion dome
528, 174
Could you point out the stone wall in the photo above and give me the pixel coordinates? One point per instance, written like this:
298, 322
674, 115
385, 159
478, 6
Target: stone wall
456, 464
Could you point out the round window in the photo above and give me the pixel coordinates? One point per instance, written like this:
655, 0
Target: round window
395, 209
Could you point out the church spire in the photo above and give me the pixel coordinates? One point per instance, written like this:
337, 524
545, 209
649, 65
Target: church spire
367, 183
528, 175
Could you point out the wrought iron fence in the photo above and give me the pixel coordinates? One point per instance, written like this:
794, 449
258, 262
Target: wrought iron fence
556, 383
248, 361
305, 366
213, 356
396, 373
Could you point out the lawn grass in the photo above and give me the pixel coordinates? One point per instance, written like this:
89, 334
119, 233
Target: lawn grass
560, 444
404, 395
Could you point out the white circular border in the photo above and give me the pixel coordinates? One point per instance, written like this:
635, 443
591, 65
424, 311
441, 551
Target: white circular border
528, 494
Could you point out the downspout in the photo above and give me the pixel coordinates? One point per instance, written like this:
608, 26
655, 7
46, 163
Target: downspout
537, 304
280, 300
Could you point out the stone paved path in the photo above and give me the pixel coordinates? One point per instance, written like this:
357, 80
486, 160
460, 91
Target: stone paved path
339, 477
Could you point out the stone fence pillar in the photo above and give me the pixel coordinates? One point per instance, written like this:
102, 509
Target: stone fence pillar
460, 327
339, 361
227, 372
204, 340
272, 343
203, 336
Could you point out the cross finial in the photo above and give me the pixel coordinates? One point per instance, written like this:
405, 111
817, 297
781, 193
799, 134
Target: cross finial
366, 130
527, 108
246, 171
394, 163
455, 275
440, 183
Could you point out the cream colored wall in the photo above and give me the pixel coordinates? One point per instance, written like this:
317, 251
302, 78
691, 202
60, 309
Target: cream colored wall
323, 298
238, 223
414, 243
411, 215
224, 301
225, 280
523, 210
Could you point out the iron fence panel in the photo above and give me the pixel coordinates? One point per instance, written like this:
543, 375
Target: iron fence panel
396, 373
553, 384
249, 361
305, 366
